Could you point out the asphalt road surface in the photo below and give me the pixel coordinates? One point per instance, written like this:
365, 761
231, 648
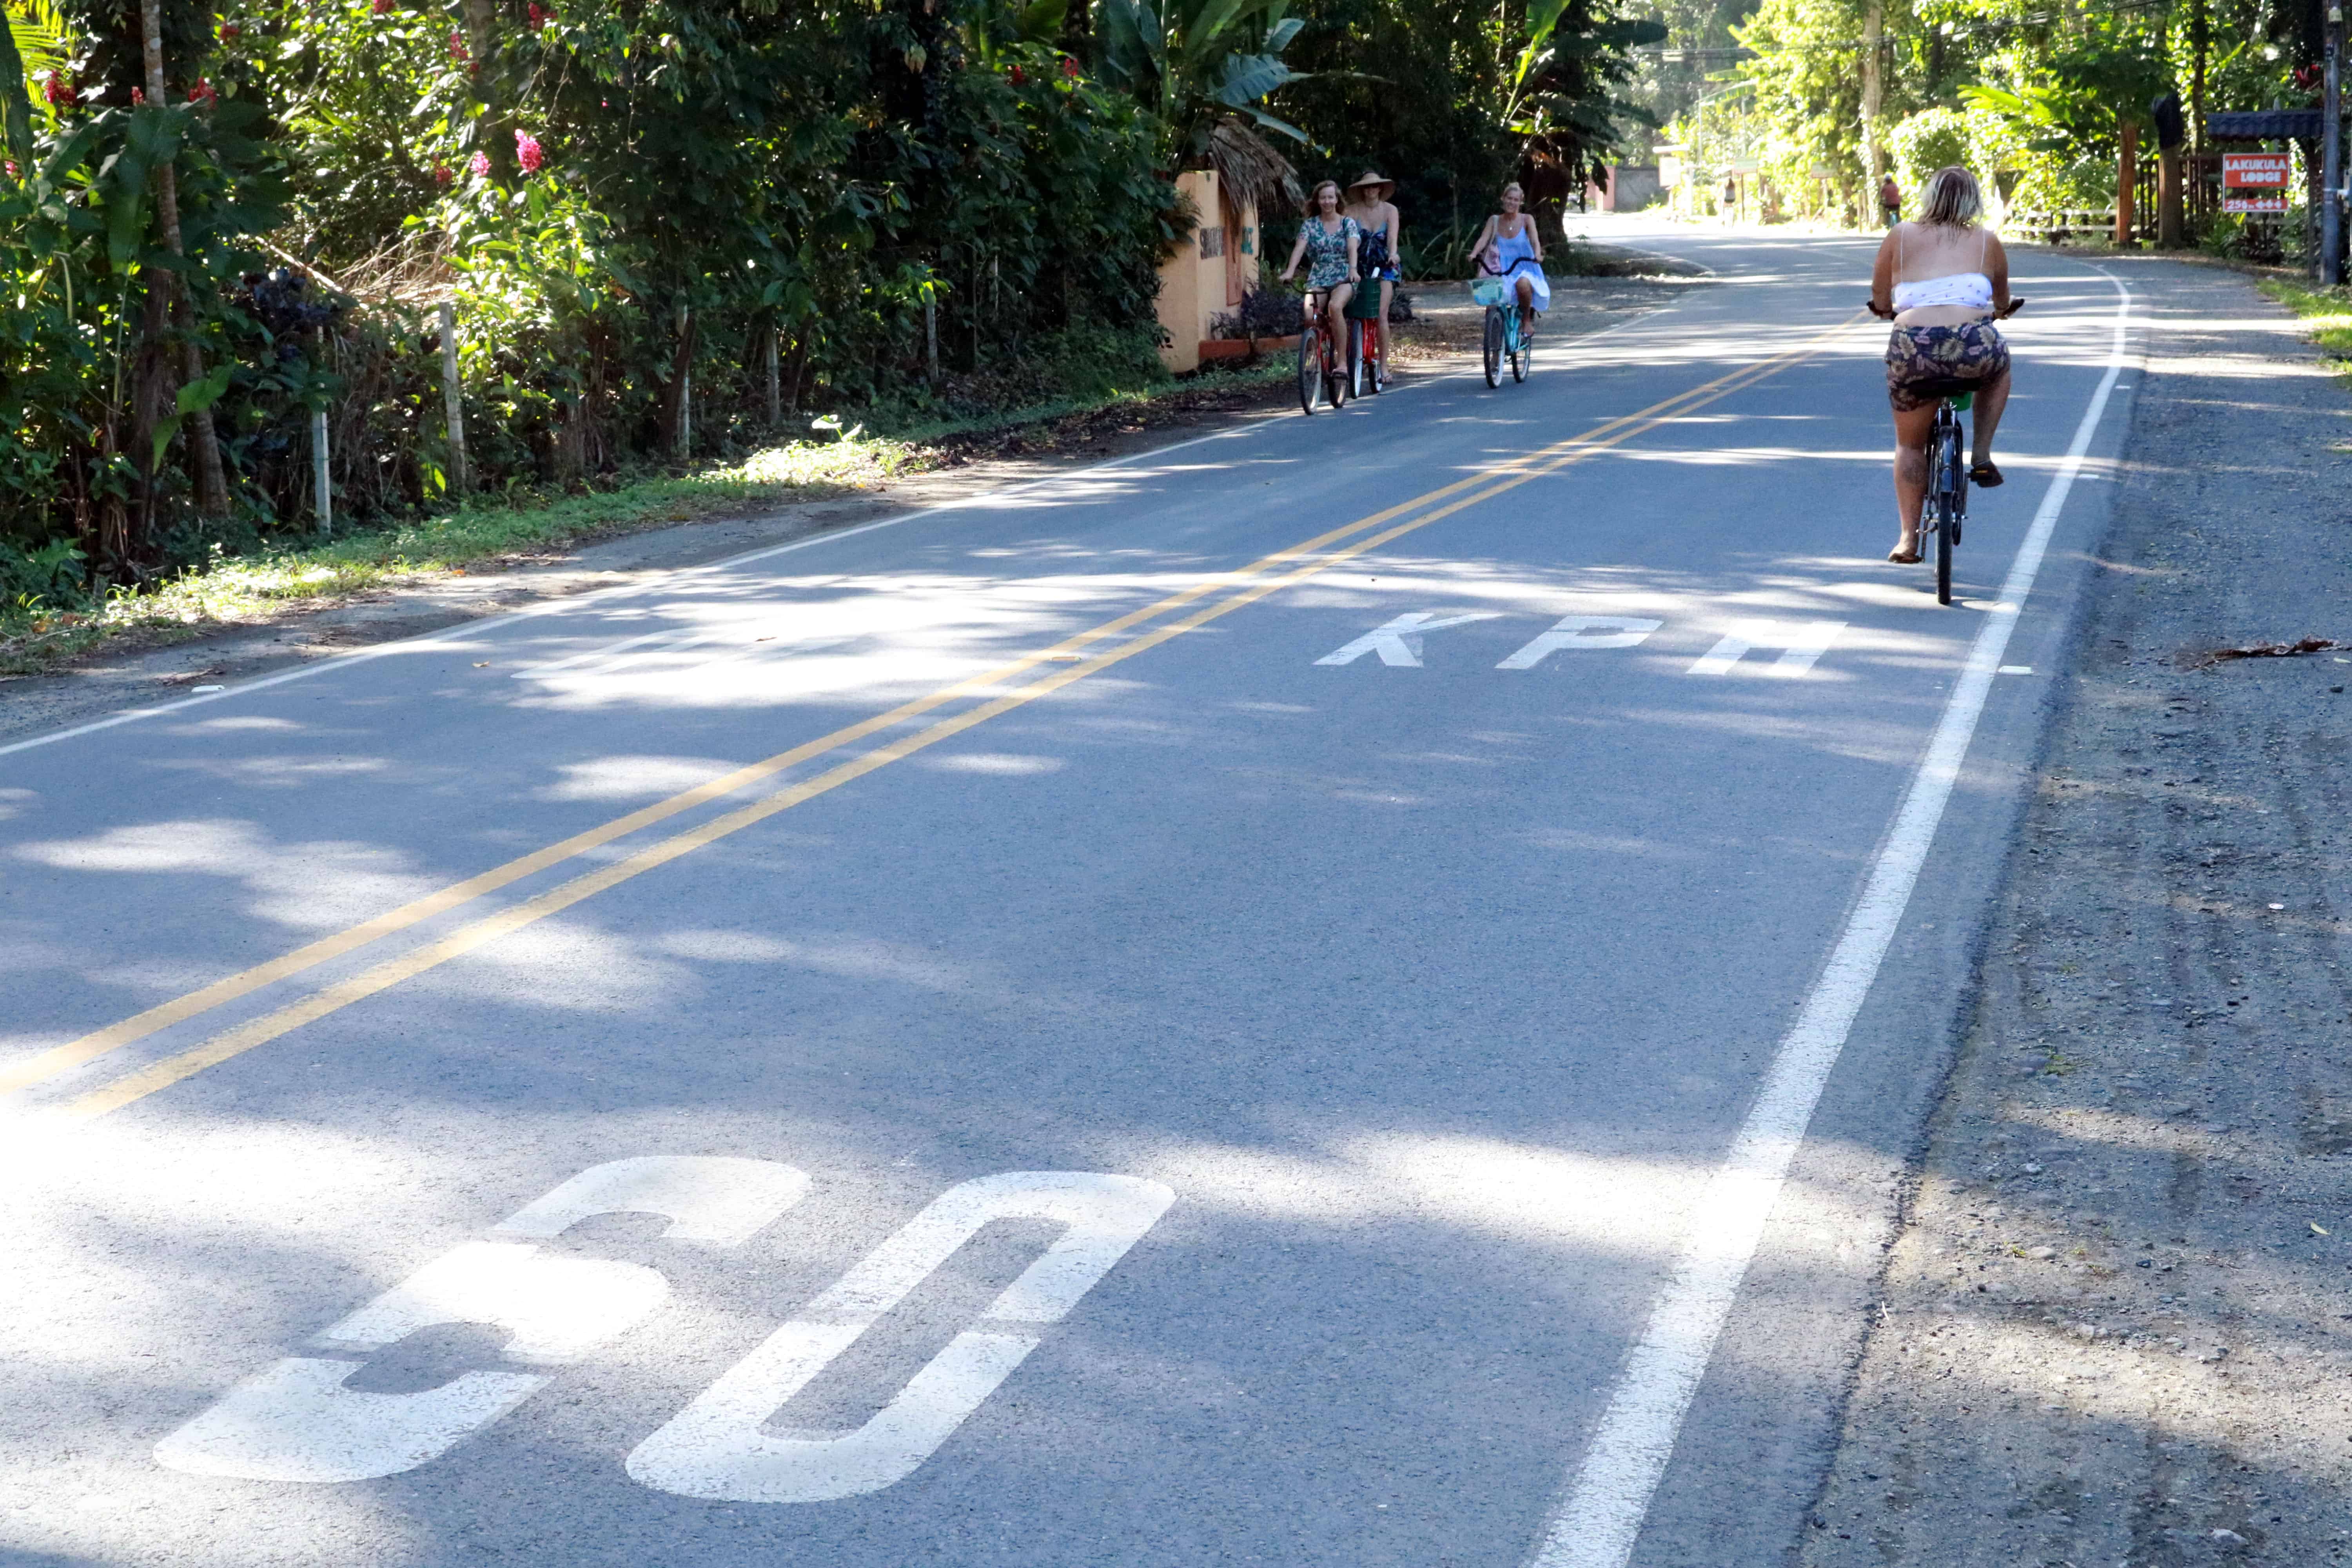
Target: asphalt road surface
1351, 991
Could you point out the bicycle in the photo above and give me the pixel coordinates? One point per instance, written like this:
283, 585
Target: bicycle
1320, 375
1506, 339
1367, 344
1946, 507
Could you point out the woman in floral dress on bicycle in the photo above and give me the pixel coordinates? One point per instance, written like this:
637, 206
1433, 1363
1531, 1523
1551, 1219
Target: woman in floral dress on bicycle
1328, 238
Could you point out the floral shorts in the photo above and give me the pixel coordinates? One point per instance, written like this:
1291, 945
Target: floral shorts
1925, 363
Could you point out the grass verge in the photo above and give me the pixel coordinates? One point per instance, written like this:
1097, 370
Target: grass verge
2325, 313
250, 589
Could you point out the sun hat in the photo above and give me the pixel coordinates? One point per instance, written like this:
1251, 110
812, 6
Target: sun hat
1368, 178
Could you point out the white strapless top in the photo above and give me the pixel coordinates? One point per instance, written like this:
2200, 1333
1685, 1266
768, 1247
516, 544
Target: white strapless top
1971, 289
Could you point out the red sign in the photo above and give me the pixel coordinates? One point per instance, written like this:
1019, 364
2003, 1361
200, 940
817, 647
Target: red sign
2266, 202
2256, 171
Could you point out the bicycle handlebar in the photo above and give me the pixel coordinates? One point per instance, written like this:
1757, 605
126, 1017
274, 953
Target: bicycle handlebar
2016, 303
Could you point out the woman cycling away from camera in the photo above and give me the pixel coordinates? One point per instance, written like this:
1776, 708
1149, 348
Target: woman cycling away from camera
1329, 237
1944, 281
1510, 238
1383, 230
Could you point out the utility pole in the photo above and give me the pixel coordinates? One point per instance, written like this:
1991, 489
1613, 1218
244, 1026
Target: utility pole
2331, 163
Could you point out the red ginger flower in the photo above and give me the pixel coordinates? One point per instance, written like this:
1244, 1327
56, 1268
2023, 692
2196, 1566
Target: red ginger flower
58, 90
231, 32
1069, 67
1017, 77
478, 166
381, 8
138, 96
457, 50
442, 174
204, 93
527, 154
539, 16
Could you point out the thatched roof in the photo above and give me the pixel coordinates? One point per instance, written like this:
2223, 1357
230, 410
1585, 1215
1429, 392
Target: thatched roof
1246, 164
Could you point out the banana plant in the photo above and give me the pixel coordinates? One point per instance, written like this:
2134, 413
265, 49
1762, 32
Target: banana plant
1198, 62
35, 41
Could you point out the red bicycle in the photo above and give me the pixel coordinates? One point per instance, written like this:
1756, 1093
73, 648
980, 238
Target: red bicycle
1321, 377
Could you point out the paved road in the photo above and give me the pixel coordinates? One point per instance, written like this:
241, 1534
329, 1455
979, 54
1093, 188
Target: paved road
1249, 1006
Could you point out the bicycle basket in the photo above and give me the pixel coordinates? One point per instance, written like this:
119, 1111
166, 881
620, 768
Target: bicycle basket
1488, 291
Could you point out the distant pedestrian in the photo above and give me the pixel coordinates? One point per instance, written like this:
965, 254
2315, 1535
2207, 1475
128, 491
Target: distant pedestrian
1890, 202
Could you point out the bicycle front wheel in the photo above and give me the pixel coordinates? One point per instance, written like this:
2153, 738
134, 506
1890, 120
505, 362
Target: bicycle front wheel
1523, 357
1494, 346
1310, 370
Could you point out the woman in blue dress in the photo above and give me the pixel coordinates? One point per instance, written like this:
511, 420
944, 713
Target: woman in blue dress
1509, 237
1328, 238
1383, 230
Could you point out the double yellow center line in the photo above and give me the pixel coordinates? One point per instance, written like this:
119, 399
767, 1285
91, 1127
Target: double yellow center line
1267, 575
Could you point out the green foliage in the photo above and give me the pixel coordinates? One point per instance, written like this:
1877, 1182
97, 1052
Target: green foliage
1930, 140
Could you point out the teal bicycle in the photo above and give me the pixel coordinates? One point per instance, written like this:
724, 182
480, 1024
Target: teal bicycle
1507, 341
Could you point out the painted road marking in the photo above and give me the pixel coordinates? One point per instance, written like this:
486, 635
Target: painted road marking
719, 1447
1801, 643
1464, 492
296, 1422
1609, 1494
1583, 632
1399, 641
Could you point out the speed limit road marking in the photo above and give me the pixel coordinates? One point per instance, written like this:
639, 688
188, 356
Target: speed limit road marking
297, 1422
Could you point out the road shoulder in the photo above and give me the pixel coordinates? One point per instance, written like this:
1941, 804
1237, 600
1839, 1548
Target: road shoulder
2113, 1327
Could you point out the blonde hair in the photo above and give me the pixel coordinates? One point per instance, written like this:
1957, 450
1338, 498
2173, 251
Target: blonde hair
1315, 197
1510, 186
1951, 198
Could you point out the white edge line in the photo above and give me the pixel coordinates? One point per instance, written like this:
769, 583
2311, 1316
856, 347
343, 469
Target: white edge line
431, 642
1608, 1495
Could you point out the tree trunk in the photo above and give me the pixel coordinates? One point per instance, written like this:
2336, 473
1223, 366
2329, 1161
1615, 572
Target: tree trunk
2201, 47
677, 408
2127, 176
497, 132
212, 482
2171, 217
1873, 152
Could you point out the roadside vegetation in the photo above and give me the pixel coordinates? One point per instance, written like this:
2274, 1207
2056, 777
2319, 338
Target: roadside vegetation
672, 233
1806, 102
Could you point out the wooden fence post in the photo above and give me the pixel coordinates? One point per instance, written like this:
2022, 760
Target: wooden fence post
775, 380
452, 402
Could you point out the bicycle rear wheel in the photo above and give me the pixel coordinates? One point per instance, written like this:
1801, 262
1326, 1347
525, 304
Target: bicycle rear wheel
1310, 369
1376, 356
1494, 345
1356, 367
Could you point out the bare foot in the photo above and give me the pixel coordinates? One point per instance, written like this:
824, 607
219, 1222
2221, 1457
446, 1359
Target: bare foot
1905, 552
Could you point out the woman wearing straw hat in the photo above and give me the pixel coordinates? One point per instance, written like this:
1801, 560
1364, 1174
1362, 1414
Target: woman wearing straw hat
1383, 227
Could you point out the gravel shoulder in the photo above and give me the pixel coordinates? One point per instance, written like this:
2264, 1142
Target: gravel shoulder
2117, 1323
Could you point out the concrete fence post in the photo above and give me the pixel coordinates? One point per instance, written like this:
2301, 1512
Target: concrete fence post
452, 402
